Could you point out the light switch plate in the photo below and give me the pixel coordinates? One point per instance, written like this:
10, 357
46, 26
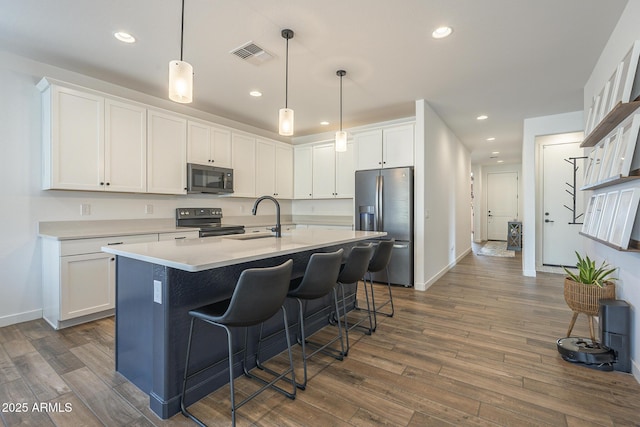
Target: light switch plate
157, 291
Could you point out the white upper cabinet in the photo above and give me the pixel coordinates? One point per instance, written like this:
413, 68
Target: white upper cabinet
208, 145
303, 172
167, 153
125, 159
274, 169
73, 138
332, 172
385, 148
91, 142
243, 156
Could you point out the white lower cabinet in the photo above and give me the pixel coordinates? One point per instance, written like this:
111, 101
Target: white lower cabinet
78, 279
180, 235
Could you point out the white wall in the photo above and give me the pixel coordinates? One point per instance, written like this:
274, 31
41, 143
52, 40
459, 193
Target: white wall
533, 128
628, 263
442, 197
24, 204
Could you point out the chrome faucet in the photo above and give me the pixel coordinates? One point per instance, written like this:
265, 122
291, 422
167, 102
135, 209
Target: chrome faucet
278, 227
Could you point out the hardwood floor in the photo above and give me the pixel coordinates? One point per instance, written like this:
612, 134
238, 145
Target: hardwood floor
478, 348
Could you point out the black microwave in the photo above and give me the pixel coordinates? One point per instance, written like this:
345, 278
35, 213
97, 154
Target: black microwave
209, 179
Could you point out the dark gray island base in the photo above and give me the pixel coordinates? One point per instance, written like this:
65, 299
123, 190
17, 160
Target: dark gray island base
152, 325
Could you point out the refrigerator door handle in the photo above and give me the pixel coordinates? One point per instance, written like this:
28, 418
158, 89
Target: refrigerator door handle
376, 222
380, 204
401, 245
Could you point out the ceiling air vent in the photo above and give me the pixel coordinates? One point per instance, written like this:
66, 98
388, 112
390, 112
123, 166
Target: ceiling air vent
252, 53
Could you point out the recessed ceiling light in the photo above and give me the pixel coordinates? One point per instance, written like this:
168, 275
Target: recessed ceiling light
500, 161
482, 117
491, 139
324, 123
255, 93
124, 37
441, 32
495, 152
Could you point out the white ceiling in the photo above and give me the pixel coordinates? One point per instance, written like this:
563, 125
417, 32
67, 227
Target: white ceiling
509, 59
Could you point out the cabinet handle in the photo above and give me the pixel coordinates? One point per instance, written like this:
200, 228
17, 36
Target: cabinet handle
115, 243
180, 238
379, 163
108, 183
102, 183
113, 259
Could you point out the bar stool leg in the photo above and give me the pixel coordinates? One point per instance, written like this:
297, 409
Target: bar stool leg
302, 341
183, 408
340, 336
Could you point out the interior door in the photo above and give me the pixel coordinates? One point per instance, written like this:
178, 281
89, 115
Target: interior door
562, 215
502, 203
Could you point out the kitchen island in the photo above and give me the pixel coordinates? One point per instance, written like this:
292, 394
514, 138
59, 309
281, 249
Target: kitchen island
158, 283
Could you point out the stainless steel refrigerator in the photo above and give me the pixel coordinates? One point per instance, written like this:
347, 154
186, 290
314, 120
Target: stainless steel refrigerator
384, 202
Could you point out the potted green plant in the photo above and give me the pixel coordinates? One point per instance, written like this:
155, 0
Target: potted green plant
584, 290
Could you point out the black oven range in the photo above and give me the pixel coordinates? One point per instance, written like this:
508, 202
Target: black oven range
208, 220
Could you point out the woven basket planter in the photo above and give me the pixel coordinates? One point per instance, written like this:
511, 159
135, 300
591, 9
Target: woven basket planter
585, 299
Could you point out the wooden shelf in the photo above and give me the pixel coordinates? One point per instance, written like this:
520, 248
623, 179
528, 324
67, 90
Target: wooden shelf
620, 112
634, 245
633, 175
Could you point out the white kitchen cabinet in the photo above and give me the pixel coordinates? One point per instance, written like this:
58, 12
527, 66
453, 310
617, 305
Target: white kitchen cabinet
385, 148
73, 138
332, 172
274, 169
166, 153
208, 145
243, 157
125, 151
303, 172
91, 142
79, 279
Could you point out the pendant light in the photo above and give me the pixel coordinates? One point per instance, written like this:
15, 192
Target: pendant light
341, 136
285, 119
181, 75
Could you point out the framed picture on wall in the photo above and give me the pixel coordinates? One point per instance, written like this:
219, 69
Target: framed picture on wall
596, 160
596, 214
609, 151
621, 164
587, 124
604, 97
614, 81
594, 116
607, 215
587, 215
624, 217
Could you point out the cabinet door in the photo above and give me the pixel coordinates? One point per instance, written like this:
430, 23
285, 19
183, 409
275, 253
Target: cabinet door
167, 153
220, 147
125, 152
324, 171
284, 171
397, 146
74, 149
368, 146
345, 173
265, 168
243, 158
198, 143
180, 235
88, 284
303, 167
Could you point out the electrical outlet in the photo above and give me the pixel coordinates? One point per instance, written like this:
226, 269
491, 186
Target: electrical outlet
157, 291
85, 209
148, 209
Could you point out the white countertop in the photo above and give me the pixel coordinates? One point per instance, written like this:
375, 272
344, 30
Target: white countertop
213, 252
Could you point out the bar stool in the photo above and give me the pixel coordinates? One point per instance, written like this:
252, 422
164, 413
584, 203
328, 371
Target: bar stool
354, 269
379, 262
318, 281
259, 294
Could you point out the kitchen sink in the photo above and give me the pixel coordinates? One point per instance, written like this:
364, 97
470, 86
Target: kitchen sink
249, 236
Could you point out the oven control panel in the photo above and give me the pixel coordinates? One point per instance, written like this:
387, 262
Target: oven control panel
184, 213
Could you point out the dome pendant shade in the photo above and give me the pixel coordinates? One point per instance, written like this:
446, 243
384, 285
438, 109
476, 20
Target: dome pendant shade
341, 141
285, 121
180, 82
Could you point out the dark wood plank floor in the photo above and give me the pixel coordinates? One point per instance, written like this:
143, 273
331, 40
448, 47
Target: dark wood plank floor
478, 348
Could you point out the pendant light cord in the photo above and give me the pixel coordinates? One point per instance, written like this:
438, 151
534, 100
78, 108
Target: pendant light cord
182, 31
286, 77
340, 102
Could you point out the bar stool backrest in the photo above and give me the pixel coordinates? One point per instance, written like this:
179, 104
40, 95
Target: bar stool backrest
259, 294
320, 276
356, 264
381, 256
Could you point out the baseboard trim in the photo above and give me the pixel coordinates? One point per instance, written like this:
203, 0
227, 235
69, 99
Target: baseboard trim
26, 316
426, 285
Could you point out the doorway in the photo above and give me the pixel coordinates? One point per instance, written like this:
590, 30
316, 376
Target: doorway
502, 203
562, 204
